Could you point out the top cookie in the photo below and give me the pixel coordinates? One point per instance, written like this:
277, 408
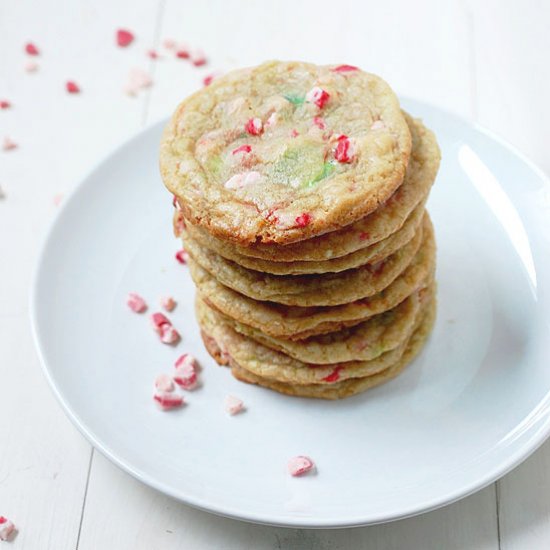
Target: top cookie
285, 151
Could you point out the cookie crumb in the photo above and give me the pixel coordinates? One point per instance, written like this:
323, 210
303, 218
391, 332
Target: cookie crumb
300, 465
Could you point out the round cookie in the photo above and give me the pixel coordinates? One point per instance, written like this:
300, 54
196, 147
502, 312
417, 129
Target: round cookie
297, 323
386, 220
285, 151
272, 367
369, 255
308, 290
363, 342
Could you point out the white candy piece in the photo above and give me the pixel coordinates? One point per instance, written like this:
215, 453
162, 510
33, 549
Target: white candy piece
233, 405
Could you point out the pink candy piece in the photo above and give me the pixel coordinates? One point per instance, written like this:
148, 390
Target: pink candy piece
198, 59
186, 372
7, 528
183, 53
294, 133
158, 320
242, 149
182, 256
136, 303
164, 383
233, 405
303, 219
344, 150
207, 80
152, 54
254, 126
31, 66
318, 96
345, 69
169, 335
300, 465
4, 104
124, 38
242, 180
168, 303
168, 400
72, 87
272, 120
319, 122
8, 144
31, 49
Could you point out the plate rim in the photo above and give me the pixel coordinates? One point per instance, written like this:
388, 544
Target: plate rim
526, 449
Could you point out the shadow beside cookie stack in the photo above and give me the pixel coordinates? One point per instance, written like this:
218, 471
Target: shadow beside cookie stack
300, 194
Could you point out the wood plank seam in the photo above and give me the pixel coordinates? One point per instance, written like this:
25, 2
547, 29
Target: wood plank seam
84, 498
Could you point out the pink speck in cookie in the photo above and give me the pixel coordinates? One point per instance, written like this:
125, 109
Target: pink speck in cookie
124, 38
72, 87
136, 303
294, 133
344, 151
31, 66
233, 405
186, 372
272, 120
334, 376
345, 69
318, 96
254, 126
8, 144
242, 180
198, 58
319, 122
363, 236
169, 335
168, 400
168, 303
242, 149
164, 383
4, 104
182, 256
31, 49
303, 219
7, 528
377, 125
300, 465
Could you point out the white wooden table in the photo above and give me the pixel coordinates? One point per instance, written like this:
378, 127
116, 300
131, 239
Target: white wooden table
486, 60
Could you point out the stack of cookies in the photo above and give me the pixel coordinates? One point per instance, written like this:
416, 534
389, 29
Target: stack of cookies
300, 194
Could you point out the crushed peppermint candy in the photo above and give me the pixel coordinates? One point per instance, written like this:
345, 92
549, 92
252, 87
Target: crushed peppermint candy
136, 303
152, 54
137, 80
294, 133
8, 144
345, 69
182, 52
31, 49
363, 236
254, 126
7, 528
72, 87
168, 400
272, 119
318, 96
57, 198
344, 151
169, 44
233, 405
182, 256
242, 149
198, 58
163, 327
334, 376
124, 38
303, 219
300, 465
319, 122
168, 303
164, 383
4, 104
158, 320
242, 180
377, 125
186, 372
207, 80
31, 66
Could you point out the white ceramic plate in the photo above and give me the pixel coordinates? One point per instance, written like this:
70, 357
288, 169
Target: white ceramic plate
472, 406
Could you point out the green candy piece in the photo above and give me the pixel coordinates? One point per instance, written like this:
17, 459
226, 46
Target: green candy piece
298, 165
295, 99
328, 169
214, 164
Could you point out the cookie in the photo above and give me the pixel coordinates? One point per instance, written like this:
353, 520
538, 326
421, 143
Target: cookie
253, 362
386, 220
285, 151
297, 323
309, 290
370, 255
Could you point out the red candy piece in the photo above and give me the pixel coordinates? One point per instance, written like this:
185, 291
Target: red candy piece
186, 372
198, 59
334, 376
4, 104
319, 122
182, 256
72, 87
124, 38
254, 126
345, 68
136, 303
168, 400
300, 465
183, 54
207, 80
31, 49
318, 96
242, 149
158, 320
303, 219
344, 150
